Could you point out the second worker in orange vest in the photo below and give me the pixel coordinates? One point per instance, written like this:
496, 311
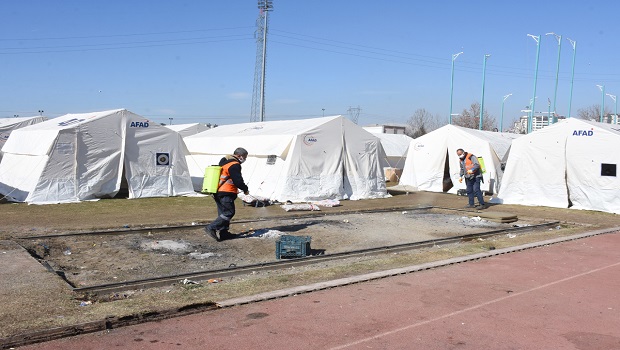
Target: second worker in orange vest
470, 170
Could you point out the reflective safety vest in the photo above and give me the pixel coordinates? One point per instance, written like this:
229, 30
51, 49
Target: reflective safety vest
469, 165
226, 184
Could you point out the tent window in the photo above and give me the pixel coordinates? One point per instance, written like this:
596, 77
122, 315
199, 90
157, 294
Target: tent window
608, 169
271, 160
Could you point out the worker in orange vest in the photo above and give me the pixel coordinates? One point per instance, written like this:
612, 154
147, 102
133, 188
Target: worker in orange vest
229, 185
470, 170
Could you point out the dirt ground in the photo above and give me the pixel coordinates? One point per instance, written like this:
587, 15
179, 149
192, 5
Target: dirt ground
93, 259
34, 299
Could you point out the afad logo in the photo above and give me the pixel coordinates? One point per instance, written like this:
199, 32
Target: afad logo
309, 140
70, 122
139, 125
418, 146
583, 132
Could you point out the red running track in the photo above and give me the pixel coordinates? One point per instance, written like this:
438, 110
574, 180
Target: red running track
562, 296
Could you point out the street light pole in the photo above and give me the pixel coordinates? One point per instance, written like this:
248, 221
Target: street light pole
613, 97
170, 121
529, 124
323, 111
501, 120
602, 88
572, 79
557, 71
484, 68
454, 56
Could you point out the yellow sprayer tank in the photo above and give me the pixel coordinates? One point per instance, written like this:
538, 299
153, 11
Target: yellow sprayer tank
211, 179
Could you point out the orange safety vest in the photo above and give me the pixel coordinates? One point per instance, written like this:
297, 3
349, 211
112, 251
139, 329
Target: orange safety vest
226, 184
469, 165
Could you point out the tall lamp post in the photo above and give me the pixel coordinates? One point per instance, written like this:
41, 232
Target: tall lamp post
501, 120
613, 97
454, 56
484, 68
557, 71
529, 124
602, 88
572, 79
170, 121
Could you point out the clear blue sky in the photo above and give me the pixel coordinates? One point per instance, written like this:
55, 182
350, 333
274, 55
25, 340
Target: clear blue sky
194, 60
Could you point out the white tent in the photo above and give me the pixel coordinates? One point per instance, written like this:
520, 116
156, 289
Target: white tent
85, 156
7, 125
395, 147
432, 164
297, 160
571, 163
189, 129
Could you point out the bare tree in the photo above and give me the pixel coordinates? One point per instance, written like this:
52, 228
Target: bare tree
470, 118
421, 122
592, 112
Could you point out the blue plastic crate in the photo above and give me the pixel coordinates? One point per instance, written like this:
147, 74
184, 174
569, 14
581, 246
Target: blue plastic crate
288, 246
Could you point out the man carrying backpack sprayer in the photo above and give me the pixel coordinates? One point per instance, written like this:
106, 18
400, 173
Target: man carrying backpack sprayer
229, 185
470, 170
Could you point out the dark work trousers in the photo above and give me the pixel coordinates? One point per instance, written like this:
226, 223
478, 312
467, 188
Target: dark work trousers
225, 211
473, 190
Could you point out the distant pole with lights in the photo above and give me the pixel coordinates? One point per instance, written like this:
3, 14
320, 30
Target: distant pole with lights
484, 68
40, 112
170, 121
501, 120
602, 88
572, 79
557, 71
529, 123
454, 56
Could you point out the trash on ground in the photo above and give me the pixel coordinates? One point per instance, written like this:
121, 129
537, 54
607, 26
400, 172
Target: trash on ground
214, 280
327, 203
196, 255
511, 235
186, 281
265, 233
85, 303
300, 207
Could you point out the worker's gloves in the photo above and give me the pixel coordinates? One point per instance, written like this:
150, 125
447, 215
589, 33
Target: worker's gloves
470, 172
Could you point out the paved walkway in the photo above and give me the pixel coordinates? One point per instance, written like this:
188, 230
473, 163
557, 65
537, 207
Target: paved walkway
561, 296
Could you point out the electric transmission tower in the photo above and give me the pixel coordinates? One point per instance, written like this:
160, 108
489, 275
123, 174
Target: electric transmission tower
354, 113
258, 93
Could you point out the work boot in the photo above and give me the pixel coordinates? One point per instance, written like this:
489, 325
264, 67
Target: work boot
481, 206
212, 233
469, 206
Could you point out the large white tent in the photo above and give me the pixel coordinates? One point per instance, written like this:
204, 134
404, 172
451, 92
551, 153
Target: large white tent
432, 164
189, 129
297, 160
7, 125
395, 147
569, 164
85, 156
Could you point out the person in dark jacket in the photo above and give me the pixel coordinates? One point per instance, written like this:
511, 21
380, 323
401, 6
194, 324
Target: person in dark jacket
470, 170
229, 185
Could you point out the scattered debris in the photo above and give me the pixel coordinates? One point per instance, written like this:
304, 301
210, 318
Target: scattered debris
327, 203
196, 255
186, 281
169, 245
511, 235
85, 303
264, 233
67, 251
300, 207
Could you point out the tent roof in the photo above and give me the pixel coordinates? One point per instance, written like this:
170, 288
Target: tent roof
10, 121
180, 127
260, 138
69, 121
500, 141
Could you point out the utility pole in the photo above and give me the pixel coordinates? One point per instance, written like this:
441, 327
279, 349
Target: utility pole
354, 113
258, 93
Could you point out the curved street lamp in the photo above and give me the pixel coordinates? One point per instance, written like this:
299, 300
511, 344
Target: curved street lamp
557, 71
484, 68
529, 124
572, 79
501, 120
602, 88
454, 56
